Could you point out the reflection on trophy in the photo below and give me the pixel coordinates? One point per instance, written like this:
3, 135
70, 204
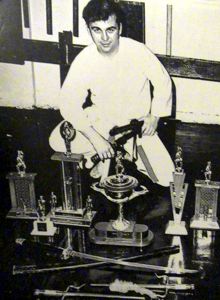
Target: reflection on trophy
43, 226
205, 216
203, 246
178, 191
22, 191
120, 188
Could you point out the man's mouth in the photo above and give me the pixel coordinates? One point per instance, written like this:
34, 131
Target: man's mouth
105, 44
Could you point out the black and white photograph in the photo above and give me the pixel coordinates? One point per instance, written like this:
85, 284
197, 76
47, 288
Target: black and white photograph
109, 149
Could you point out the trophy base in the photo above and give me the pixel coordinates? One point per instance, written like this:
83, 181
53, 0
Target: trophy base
21, 214
174, 228
43, 228
136, 235
72, 218
200, 223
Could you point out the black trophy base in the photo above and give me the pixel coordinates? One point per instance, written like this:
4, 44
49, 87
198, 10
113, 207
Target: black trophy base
136, 235
72, 218
28, 214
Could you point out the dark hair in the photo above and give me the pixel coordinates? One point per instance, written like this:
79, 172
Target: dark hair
97, 10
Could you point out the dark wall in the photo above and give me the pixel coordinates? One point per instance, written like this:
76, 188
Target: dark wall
28, 130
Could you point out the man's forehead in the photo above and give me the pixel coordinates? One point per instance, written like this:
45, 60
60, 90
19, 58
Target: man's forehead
111, 21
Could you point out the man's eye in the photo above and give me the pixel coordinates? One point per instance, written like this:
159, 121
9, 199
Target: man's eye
96, 30
111, 30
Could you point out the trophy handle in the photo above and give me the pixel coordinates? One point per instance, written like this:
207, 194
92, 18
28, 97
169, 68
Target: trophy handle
135, 194
95, 187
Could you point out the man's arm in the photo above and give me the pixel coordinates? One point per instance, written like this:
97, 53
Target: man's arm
72, 96
162, 93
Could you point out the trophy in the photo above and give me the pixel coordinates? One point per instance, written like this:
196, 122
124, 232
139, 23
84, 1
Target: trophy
205, 216
22, 191
178, 190
73, 211
120, 188
43, 226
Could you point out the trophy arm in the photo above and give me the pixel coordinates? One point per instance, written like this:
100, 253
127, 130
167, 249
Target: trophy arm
95, 187
135, 194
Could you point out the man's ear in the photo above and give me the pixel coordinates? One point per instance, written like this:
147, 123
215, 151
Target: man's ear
120, 29
88, 29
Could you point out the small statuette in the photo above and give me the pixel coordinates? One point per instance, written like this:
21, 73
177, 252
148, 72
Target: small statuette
68, 133
42, 208
119, 168
43, 226
208, 172
20, 166
89, 208
205, 216
178, 191
53, 203
179, 160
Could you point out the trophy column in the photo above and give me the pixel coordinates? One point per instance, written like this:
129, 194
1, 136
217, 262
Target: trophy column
205, 216
22, 192
72, 212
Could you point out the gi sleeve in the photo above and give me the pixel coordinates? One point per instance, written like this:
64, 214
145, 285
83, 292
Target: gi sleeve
72, 96
162, 94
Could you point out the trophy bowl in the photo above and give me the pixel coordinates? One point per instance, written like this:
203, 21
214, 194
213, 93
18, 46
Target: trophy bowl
120, 188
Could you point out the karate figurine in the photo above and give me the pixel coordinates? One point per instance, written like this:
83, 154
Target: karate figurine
21, 167
179, 160
208, 172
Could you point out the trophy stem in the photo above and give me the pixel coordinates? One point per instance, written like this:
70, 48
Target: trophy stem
121, 223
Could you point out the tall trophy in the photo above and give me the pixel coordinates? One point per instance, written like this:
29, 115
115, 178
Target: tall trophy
22, 192
205, 216
73, 211
178, 191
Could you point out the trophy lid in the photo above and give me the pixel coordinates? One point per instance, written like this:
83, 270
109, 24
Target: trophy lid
120, 183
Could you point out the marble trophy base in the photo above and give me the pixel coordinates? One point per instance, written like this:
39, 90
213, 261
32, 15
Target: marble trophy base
176, 228
136, 235
77, 218
202, 223
43, 228
28, 214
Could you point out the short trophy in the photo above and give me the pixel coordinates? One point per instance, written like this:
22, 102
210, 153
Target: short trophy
73, 211
43, 226
205, 216
178, 191
120, 188
22, 191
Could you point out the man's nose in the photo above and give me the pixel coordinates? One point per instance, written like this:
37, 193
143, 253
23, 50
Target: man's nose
104, 36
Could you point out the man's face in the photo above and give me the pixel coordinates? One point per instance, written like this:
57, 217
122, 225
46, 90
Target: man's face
105, 35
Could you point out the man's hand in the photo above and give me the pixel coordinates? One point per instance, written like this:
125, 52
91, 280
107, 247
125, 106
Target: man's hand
102, 147
150, 124
99, 143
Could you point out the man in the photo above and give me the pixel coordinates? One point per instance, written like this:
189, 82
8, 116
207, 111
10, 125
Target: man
115, 72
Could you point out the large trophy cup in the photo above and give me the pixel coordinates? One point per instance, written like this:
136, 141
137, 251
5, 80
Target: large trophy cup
22, 192
178, 190
120, 188
73, 211
205, 216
